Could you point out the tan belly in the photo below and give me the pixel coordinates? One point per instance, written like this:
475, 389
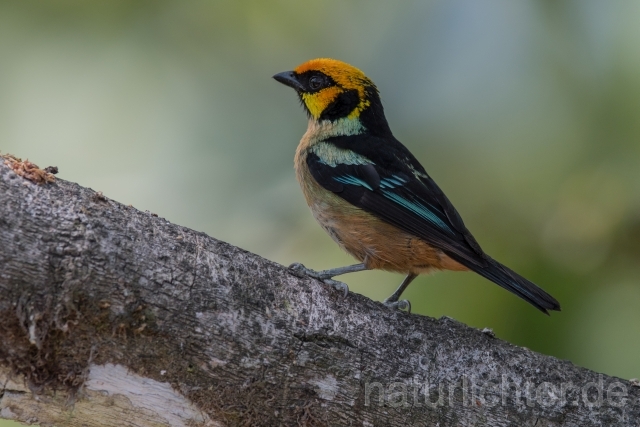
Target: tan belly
367, 238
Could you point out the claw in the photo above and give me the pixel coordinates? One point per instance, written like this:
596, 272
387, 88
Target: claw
300, 270
404, 304
296, 266
399, 305
339, 286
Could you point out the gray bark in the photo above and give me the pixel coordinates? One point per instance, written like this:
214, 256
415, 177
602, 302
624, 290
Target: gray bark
114, 317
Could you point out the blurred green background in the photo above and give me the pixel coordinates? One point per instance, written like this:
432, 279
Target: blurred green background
526, 113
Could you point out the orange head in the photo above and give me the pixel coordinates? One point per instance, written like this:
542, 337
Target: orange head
330, 89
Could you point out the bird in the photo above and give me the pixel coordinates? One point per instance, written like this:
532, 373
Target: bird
373, 197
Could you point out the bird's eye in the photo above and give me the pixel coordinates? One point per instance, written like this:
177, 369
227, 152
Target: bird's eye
316, 82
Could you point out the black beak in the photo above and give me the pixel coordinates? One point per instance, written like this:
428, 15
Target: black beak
289, 78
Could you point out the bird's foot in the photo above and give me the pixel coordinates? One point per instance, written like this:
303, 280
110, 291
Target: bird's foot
300, 270
403, 304
339, 286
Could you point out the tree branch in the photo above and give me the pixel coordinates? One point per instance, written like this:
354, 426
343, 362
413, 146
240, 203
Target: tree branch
114, 317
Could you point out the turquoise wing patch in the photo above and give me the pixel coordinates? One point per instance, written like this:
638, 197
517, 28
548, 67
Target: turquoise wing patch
352, 180
419, 209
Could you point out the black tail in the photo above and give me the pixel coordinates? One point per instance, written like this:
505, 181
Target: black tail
513, 282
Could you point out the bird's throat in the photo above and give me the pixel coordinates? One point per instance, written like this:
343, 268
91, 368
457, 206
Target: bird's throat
319, 130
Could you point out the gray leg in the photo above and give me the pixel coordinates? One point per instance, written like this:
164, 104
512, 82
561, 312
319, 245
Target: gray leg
326, 275
393, 302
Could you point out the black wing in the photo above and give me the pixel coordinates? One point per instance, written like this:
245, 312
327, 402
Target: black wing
400, 198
